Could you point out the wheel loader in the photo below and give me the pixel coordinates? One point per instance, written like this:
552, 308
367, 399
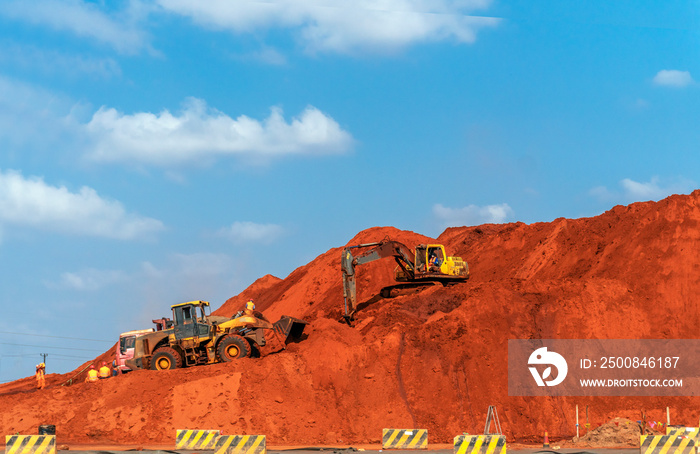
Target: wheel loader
195, 337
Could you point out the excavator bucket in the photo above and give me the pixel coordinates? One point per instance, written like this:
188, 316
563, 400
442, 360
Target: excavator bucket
290, 328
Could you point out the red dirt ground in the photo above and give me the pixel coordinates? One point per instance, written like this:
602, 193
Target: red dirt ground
432, 359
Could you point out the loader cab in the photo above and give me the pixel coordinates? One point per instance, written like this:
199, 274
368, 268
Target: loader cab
191, 320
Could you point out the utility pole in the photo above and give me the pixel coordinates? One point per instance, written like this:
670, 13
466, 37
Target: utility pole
44, 355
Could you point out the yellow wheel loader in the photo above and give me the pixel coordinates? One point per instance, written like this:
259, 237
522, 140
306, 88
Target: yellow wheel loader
194, 337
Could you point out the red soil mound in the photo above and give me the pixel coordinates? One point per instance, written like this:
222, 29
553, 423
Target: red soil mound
432, 359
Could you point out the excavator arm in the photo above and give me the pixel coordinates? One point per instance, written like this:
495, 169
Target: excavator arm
370, 252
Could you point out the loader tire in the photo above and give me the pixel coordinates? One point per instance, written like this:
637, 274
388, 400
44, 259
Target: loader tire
233, 347
166, 358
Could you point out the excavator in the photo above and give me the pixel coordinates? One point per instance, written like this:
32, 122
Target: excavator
427, 264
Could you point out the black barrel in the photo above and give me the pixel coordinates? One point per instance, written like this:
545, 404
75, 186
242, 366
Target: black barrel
47, 429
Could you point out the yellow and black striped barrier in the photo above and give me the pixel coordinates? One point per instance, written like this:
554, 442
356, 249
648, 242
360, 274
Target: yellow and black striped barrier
240, 444
405, 439
666, 444
690, 432
30, 444
196, 439
480, 444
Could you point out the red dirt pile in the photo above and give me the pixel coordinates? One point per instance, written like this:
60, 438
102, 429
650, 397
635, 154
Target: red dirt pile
434, 359
619, 432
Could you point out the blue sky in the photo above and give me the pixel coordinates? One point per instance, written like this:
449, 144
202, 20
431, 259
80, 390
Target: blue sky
160, 151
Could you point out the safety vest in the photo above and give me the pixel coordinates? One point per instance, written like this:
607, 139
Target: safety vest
92, 375
250, 305
40, 379
104, 372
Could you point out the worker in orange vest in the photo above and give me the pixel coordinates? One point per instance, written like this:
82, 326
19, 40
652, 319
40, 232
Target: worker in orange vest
40, 376
92, 375
105, 372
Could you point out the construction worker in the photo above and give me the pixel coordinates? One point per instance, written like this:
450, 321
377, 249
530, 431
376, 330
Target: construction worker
434, 261
115, 370
104, 371
92, 375
249, 308
40, 376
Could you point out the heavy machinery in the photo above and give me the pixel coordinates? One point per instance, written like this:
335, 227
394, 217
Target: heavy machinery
125, 347
195, 337
428, 264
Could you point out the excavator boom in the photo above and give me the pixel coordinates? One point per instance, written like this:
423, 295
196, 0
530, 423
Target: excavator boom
408, 269
372, 251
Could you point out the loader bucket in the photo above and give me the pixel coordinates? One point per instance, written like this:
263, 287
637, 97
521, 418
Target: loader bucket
290, 328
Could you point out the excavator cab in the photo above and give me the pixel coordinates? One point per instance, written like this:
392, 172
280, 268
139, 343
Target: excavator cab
438, 263
430, 258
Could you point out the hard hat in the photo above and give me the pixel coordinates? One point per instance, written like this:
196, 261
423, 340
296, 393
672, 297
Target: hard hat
42, 365
92, 366
104, 363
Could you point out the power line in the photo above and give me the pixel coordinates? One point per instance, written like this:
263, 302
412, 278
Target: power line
56, 348
53, 355
57, 337
69, 359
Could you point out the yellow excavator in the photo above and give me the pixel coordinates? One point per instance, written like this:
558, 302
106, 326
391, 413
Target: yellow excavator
427, 264
195, 337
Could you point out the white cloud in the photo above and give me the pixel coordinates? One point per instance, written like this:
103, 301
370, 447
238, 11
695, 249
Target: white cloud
266, 55
641, 104
37, 119
201, 264
251, 232
30, 202
199, 133
88, 279
633, 191
472, 215
362, 25
31, 116
188, 267
187, 277
83, 19
673, 78
30, 58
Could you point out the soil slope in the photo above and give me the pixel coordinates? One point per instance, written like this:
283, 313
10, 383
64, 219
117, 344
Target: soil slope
435, 358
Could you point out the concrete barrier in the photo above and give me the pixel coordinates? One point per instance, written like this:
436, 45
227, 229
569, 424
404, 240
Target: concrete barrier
241, 444
195, 439
666, 444
690, 432
30, 444
480, 444
405, 438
